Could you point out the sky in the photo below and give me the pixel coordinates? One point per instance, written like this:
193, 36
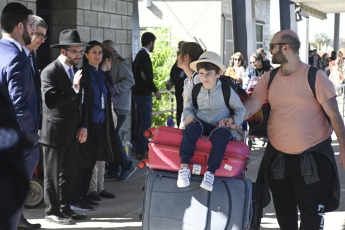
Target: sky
315, 25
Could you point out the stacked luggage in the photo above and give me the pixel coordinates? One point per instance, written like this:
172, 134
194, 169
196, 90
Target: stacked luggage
228, 206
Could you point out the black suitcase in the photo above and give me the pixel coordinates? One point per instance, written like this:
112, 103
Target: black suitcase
228, 206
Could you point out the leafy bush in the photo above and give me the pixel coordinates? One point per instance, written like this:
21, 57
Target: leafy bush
163, 58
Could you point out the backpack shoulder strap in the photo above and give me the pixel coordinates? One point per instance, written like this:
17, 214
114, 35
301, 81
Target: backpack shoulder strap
272, 75
311, 80
226, 91
195, 93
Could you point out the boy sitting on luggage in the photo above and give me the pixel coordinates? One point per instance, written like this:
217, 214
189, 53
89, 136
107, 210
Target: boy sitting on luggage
211, 112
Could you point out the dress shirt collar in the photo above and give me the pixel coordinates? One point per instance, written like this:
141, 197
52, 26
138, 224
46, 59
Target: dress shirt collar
26, 51
147, 51
65, 66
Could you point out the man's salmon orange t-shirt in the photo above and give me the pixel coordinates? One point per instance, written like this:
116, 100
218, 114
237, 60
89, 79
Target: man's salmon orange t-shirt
296, 122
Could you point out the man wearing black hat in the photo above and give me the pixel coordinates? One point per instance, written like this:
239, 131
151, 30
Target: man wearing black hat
16, 77
62, 128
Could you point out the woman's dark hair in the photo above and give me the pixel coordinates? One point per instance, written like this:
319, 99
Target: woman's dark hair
91, 44
193, 49
106, 55
208, 66
12, 14
324, 55
257, 57
147, 37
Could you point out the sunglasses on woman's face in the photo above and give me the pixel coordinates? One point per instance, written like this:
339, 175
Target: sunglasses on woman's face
237, 59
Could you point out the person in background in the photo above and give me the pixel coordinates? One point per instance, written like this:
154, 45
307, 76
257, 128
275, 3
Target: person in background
62, 130
336, 76
237, 68
298, 165
315, 59
142, 90
121, 78
99, 145
177, 77
255, 71
96, 189
325, 63
189, 52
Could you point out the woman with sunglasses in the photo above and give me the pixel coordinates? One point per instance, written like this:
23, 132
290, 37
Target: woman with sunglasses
257, 68
237, 67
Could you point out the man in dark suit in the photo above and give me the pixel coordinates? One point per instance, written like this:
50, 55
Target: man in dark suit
16, 26
62, 97
142, 90
38, 37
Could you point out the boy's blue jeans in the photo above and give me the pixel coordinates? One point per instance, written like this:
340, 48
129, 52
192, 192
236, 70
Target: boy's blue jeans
219, 140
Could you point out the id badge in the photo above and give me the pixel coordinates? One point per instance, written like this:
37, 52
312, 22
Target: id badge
102, 101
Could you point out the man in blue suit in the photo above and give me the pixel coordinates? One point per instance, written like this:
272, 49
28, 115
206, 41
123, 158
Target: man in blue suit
16, 76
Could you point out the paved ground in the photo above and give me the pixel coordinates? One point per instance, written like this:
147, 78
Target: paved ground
123, 212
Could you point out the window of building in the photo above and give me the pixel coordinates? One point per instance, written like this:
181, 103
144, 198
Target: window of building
259, 35
228, 40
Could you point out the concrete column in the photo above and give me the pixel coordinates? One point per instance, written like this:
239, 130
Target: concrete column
285, 18
336, 31
303, 34
239, 26
135, 30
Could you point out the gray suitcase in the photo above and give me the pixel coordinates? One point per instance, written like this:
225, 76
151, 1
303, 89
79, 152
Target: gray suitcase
166, 206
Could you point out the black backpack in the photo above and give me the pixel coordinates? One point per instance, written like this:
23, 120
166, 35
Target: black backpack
227, 82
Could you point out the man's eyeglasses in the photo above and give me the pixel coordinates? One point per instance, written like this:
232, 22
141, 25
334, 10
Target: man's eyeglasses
42, 36
275, 44
76, 52
237, 59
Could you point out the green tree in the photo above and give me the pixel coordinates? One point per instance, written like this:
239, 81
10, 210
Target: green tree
163, 58
321, 39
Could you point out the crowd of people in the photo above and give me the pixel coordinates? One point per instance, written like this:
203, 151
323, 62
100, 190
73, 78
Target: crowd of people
74, 117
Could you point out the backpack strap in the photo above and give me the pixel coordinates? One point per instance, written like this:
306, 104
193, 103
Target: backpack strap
195, 93
311, 80
272, 75
226, 91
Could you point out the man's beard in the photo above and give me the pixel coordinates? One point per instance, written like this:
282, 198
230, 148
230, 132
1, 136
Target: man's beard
26, 37
72, 61
279, 58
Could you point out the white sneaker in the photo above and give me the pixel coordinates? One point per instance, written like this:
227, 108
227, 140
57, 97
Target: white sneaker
183, 177
207, 182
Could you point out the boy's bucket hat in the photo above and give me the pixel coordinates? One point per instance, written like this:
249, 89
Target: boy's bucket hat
210, 57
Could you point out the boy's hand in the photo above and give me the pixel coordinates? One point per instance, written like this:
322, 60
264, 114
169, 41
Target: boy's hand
225, 122
189, 120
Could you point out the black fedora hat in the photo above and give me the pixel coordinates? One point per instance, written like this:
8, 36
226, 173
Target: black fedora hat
69, 37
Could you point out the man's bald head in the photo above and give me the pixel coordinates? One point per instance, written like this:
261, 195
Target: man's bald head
289, 37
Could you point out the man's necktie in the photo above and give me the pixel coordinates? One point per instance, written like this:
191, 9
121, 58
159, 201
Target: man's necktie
71, 74
31, 61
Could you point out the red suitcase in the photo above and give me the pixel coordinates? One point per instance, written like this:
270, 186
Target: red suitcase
164, 154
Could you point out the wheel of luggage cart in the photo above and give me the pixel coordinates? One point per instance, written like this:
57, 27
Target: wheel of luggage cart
35, 196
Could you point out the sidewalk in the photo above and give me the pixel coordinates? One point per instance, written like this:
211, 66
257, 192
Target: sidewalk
123, 212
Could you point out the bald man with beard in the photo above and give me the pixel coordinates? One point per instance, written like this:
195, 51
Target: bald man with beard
298, 166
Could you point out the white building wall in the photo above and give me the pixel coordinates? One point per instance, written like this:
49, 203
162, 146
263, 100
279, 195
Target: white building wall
186, 19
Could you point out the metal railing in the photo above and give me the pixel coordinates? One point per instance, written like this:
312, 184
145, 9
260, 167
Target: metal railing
172, 106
